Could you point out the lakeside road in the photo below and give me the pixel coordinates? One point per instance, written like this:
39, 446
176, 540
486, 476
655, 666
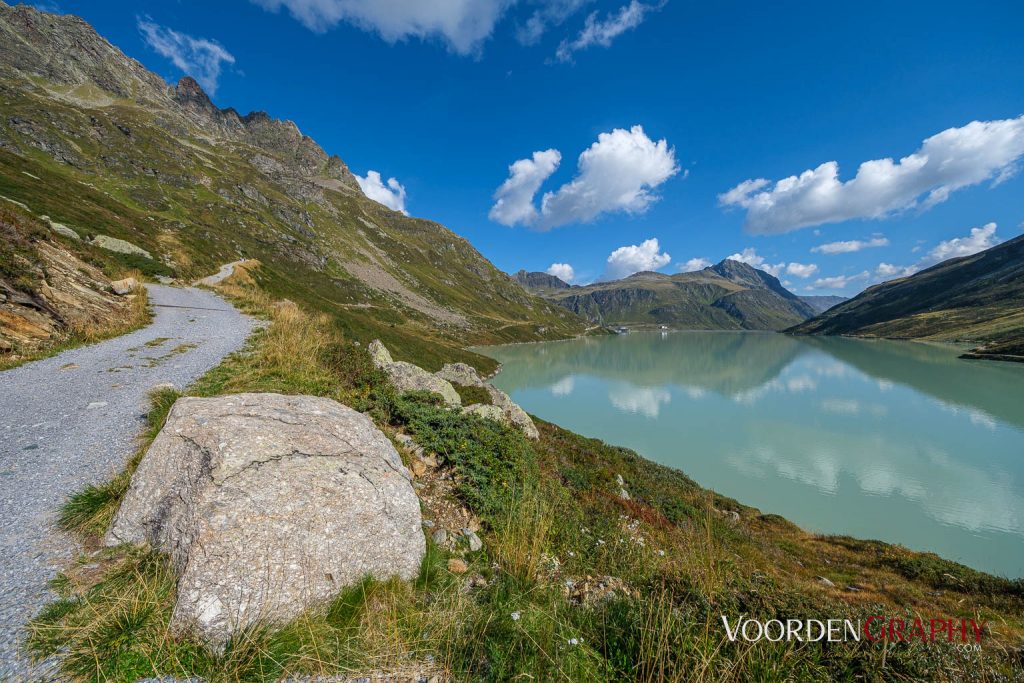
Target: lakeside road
72, 420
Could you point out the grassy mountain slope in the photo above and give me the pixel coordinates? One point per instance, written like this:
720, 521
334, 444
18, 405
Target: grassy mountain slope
977, 298
96, 142
726, 296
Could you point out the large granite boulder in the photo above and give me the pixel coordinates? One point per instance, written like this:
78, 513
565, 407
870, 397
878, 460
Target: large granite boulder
269, 504
408, 377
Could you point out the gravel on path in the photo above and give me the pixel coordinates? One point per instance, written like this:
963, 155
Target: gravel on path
72, 420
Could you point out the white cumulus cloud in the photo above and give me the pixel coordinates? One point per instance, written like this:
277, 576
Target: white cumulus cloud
625, 261
850, 246
888, 271
603, 32
513, 200
839, 281
945, 162
694, 264
391, 195
979, 239
563, 271
463, 25
802, 270
200, 58
617, 173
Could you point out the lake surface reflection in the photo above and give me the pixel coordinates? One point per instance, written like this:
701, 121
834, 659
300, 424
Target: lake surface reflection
897, 441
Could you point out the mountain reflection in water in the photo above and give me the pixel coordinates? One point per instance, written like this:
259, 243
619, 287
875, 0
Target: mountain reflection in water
898, 441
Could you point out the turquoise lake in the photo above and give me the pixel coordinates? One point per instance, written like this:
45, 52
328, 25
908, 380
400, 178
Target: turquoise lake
896, 441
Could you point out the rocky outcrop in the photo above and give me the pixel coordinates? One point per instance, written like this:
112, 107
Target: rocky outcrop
56, 292
502, 407
269, 504
408, 377
511, 412
461, 373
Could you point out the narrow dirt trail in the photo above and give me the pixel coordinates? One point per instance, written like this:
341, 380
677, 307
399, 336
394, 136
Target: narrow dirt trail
71, 420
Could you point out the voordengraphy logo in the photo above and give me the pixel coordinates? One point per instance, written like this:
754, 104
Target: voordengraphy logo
874, 628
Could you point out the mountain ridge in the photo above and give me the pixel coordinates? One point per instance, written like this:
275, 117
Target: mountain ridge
100, 144
729, 295
974, 299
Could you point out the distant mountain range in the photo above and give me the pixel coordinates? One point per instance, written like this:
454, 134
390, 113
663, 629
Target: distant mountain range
727, 296
820, 304
977, 299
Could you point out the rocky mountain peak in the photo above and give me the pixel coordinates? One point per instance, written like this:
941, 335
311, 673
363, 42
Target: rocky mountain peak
189, 89
538, 280
736, 271
748, 276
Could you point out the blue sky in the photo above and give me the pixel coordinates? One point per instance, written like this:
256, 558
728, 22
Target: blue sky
445, 95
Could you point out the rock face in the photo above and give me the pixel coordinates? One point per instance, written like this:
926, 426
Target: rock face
56, 291
409, 377
268, 504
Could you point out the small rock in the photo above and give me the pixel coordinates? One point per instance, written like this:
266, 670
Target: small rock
825, 582
379, 353
96, 404
473, 540
418, 467
125, 286
478, 582
120, 246
623, 493
428, 524
440, 536
457, 566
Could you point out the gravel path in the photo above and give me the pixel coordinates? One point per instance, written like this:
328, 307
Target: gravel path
71, 420
226, 271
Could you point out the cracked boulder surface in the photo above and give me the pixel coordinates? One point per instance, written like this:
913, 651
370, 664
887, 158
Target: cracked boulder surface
268, 505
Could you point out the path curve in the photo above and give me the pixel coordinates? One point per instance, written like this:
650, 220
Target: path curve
226, 271
72, 420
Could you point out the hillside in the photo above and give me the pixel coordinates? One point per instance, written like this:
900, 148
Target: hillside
727, 296
104, 147
975, 299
